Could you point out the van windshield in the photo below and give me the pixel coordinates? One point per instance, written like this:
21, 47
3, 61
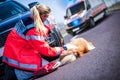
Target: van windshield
75, 9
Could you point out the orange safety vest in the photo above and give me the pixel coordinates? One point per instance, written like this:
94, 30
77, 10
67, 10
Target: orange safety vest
25, 46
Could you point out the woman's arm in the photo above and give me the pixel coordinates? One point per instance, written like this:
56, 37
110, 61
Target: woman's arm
37, 41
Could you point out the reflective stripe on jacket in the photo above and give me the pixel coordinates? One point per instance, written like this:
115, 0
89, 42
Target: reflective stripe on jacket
24, 50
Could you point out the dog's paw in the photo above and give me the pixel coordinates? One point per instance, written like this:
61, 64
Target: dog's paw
68, 59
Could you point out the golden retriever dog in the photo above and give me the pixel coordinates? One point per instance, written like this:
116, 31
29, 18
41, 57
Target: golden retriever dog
77, 47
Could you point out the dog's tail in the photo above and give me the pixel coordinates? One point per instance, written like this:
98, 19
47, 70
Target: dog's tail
90, 46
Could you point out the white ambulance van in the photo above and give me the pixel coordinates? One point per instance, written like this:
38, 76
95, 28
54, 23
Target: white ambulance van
83, 13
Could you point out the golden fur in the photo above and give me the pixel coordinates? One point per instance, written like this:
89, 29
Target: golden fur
79, 46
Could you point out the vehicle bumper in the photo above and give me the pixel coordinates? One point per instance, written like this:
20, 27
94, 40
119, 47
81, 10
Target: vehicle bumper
78, 28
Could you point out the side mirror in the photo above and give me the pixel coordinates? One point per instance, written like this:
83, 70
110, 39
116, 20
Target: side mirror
33, 4
65, 17
88, 6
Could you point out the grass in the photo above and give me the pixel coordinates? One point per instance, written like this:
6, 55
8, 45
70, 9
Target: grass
114, 7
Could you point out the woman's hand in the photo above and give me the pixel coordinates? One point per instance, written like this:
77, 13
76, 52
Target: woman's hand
64, 53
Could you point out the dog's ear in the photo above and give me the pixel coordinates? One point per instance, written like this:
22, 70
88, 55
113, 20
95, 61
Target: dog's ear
77, 52
80, 54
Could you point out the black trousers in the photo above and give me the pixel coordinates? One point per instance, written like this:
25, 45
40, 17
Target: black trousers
9, 73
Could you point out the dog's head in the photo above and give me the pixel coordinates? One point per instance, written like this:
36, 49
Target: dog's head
81, 46
81, 42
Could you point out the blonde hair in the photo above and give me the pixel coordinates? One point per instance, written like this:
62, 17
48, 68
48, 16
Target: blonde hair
36, 11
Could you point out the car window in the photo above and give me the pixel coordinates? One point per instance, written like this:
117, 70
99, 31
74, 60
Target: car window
10, 9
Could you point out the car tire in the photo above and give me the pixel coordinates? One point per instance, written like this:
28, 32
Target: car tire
54, 38
105, 13
92, 22
59, 35
71, 32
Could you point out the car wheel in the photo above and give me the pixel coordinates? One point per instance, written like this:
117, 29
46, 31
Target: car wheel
57, 39
59, 35
105, 13
92, 22
53, 39
71, 33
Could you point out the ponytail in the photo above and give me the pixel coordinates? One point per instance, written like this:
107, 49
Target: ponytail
37, 21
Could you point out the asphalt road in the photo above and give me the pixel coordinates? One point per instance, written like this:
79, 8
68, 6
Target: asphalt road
102, 63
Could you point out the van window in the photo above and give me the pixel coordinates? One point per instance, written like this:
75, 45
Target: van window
95, 2
10, 9
75, 9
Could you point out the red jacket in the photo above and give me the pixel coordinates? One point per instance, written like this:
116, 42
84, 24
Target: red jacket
23, 49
